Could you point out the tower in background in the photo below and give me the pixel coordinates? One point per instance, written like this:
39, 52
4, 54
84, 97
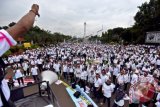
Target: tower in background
84, 30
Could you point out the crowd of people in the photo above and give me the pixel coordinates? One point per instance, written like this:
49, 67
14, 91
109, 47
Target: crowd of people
106, 70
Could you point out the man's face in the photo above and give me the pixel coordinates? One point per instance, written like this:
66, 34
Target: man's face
145, 74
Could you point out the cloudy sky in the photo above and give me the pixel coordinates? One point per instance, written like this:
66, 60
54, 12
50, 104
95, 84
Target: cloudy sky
68, 16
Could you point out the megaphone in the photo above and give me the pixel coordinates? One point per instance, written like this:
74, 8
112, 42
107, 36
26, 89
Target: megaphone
49, 76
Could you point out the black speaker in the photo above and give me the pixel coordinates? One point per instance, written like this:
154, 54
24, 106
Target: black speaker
90, 105
73, 85
77, 94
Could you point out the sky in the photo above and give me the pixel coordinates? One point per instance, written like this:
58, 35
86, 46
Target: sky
68, 16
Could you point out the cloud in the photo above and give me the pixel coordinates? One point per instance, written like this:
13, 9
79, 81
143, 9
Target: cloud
68, 16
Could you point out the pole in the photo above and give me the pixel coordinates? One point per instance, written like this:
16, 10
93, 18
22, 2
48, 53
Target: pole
84, 29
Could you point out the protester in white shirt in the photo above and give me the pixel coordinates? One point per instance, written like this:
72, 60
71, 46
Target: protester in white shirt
65, 71
39, 62
135, 77
25, 68
56, 67
97, 87
104, 77
71, 72
119, 97
83, 79
19, 77
158, 100
78, 73
107, 89
34, 72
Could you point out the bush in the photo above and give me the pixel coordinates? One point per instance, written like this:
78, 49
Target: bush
7, 53
34, 46
19, 49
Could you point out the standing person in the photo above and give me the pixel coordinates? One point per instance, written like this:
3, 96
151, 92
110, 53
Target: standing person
11, 83
107, 89
119, 97
120, 79
115, 73
25, 68
56, 67
78, 74
39, 62
65, 71
91, 77
83, 79
71, 72
34, 72
97, 87
19, 77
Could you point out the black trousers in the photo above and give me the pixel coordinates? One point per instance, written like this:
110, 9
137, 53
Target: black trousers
40, 67
65, 75
71, 74
97, 93
35, 77
114, 79
83, 84
108, 100
125, 86
20, 80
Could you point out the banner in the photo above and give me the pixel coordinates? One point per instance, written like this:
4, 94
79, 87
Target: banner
27, 45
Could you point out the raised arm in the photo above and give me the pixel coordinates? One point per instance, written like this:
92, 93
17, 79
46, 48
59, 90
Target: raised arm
25, 23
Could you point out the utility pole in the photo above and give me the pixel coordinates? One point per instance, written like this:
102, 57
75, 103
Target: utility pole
84, 29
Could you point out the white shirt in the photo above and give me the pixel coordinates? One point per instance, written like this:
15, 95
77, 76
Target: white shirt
65, 68
104, 78
91, 77
18, 73
115, 71
84, 75
107, 90
56, 67
134, 79
158, 97
120, 79
39, 61
97, 82
71, 70
5, 90
157, 104
34, 71
78, 73
25, 66
158, 62
120, 103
